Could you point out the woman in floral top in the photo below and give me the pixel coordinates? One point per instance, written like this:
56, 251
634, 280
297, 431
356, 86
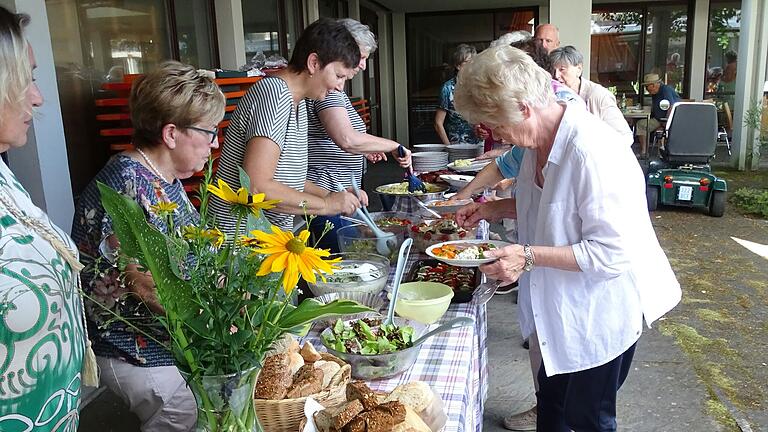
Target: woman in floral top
174, 112
449, 125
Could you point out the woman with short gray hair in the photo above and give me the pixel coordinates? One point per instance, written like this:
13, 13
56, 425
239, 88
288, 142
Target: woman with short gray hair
590, 267
568, 64
449, 125
338, 141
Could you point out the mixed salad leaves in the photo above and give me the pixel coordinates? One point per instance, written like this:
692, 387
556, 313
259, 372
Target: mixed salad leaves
368, 336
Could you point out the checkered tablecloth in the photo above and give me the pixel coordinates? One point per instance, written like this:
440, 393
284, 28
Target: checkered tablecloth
454, 364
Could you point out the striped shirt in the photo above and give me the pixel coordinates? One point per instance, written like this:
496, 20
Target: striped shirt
328, 163
266, 111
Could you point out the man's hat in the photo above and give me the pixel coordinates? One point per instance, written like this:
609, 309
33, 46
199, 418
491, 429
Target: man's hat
651, 78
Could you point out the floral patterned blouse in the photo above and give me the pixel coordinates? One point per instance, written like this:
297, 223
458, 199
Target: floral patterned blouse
41, 322
103, 282
457, 129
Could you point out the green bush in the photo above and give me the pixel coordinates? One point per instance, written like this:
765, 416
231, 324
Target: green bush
750, 200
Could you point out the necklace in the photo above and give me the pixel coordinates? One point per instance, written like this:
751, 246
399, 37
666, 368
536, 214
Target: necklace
152, 166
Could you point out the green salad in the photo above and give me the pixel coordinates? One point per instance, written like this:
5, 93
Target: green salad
368, 336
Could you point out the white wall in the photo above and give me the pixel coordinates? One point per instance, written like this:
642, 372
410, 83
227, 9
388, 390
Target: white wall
230, 33
42, 165
573, 18
400, 74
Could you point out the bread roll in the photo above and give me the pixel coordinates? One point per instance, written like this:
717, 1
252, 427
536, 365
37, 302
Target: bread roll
309, 353
416, 395
308, 381
275, 378
394, 409
297, 361
375, 421
329, 370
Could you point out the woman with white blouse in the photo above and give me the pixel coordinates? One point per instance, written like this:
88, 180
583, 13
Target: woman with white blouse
590, 266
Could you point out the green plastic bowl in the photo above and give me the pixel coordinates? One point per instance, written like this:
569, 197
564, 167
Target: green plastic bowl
425, 302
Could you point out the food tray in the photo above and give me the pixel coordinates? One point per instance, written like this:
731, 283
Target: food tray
459, 296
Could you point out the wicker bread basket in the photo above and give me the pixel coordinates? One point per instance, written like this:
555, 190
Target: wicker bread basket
285, 415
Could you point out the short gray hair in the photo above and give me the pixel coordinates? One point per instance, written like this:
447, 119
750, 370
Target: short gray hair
463, 53
492, 86
511, 38
566, 55
362, 34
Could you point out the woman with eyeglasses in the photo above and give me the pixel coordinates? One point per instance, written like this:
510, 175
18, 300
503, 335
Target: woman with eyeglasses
174, 113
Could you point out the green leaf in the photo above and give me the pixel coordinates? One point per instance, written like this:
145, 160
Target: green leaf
311, 309
245, 180
140, 240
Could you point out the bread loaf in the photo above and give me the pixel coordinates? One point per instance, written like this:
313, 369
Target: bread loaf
329, 370
416, 395
412, 423
308, 381
335, 418
394, 409
309, 353
375, 421
358, 390
275, 378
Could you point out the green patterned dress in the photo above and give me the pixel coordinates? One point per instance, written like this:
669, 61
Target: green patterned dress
41, 326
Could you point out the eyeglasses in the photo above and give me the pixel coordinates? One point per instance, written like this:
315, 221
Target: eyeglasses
214, 133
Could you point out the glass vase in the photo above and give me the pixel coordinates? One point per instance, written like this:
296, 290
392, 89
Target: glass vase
225, 402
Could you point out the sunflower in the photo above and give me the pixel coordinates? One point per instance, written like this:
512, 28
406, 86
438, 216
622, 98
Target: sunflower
292, 256
163, 208
241, 198
213, 236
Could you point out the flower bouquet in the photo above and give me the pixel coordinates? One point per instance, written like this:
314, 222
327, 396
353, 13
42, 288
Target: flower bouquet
225, 300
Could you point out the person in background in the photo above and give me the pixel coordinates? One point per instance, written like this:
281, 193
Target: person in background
43, 336
175, 111
568, 64
338, 140
267, 135
548, 35
659, 92
590, 267
449, 125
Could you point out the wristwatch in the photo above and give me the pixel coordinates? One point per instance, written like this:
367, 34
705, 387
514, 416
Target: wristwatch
528, 253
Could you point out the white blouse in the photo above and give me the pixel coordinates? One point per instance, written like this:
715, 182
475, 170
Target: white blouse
593, 200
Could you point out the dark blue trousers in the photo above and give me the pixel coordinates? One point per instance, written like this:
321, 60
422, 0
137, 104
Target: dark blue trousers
584, 400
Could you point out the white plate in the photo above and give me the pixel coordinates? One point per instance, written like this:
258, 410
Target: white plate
445, 209
476, 166
466, 263
457, 181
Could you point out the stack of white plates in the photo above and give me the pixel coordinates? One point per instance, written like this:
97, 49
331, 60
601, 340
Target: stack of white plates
429, 161
464, 151
429, 147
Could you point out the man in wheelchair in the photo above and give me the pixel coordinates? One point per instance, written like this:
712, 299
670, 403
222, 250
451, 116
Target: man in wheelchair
662, 97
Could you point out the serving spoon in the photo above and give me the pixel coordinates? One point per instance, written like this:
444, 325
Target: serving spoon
450, 325
402, 259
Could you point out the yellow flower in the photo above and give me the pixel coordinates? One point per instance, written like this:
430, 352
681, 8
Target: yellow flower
241, 197
214, 236
292, 256
163, 208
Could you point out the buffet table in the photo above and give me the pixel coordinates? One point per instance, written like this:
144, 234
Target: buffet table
454, 364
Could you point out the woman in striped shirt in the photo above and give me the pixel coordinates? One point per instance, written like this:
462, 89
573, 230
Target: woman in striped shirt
338, 141
267, 135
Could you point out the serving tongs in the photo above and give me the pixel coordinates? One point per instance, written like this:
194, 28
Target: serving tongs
414, 183
402, 260
384, 244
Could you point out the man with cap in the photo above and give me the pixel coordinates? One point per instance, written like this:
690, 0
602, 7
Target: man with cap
659, 92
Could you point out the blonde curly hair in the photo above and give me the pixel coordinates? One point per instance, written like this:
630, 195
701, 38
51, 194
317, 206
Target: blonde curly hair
15, 67
490, 88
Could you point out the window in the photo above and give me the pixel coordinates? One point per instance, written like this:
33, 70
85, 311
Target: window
431, 39
631, 41
271, 26
100, 41
722, 46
